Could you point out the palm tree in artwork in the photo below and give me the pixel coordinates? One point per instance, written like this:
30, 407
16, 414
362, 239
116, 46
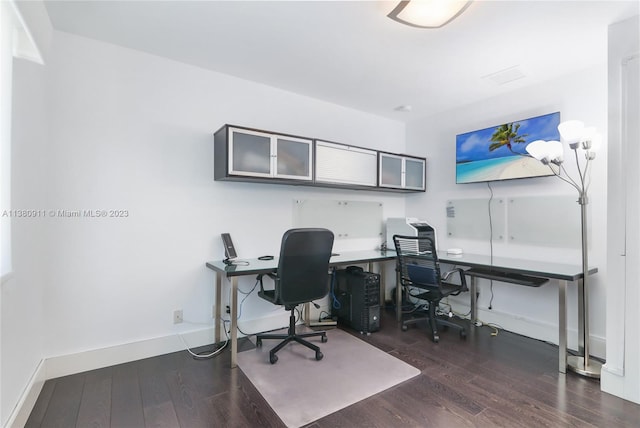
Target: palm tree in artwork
506, 135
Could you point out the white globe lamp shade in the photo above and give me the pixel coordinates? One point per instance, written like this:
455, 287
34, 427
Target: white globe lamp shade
537, 149
596, 142
571, 130
556, 151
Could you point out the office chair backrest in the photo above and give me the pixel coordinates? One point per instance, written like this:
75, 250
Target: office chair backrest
303, 268
417, 260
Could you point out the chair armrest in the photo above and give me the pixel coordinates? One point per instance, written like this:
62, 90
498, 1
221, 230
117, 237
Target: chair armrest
272, 275
446, 275
463, 278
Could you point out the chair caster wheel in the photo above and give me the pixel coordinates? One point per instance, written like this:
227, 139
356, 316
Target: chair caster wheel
259, 343
405, 327
436, 339
323, 339
319, 355
273, 358
463, 334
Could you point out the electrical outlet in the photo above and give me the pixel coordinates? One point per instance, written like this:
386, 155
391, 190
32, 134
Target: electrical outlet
177, 316
228, 310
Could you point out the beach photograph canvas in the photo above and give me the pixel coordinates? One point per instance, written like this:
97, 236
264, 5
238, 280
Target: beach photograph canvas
498, 153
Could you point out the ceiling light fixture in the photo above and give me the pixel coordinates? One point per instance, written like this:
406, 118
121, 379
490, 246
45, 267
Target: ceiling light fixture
427, 13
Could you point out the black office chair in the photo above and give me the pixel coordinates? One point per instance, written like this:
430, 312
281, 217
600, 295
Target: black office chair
418, 266
302, 276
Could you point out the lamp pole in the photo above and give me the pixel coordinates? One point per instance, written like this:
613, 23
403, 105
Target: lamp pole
551, 153
584, 365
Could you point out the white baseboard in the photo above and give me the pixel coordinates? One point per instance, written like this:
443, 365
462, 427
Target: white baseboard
90, 360
64, 365
270, 321
613, 380
533, 328
22, 410
617, 371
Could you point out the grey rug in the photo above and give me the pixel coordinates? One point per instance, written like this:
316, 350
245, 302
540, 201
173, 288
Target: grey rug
301, 390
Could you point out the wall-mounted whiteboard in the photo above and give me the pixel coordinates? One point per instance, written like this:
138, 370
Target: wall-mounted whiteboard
551, 221
469, 219
346, 219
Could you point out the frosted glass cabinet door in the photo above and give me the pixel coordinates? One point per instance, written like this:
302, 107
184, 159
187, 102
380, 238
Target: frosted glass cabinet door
414, 174
390, 170
293, 158
401, 172
249, 153
261, 154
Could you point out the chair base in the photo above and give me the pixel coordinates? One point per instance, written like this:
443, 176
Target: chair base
292, 336
434, 322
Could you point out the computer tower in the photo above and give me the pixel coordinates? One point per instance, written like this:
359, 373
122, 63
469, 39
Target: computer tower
356, 299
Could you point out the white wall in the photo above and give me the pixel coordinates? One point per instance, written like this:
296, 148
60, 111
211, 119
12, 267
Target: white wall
119, 129
529, 311
133, 132
102, 127
24, 136
23, 295
621, 373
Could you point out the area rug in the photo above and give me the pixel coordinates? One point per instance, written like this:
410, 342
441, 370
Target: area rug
301, 390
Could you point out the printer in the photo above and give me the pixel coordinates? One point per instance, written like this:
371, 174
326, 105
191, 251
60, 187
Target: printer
408, 226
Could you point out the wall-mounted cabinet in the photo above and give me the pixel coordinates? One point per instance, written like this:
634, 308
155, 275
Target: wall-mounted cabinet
342, 164
245, 154
242, 152
401, 172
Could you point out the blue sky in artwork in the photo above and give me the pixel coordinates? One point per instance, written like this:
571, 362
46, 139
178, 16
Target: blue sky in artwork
473, 146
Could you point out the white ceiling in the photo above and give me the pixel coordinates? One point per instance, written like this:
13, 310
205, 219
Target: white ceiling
350, 53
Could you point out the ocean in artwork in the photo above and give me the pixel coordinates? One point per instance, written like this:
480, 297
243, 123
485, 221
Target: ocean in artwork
503, 168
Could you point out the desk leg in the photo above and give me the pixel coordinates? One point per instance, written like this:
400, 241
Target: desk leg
307, 313
562, 325
234, 322
218, 314
474, 300
398, 298
581, 318
383, 287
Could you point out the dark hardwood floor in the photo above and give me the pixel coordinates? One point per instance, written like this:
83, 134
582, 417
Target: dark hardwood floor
485, 381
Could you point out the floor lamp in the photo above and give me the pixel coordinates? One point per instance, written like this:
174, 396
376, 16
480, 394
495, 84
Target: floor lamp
551, 153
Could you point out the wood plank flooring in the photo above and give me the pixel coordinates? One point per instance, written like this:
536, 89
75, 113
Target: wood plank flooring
484, 381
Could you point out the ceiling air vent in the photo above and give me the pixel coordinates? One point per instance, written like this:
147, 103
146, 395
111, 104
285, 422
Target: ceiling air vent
505, 76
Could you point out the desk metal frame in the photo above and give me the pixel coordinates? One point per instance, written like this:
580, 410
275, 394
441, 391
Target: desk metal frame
255, 267
561, 272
